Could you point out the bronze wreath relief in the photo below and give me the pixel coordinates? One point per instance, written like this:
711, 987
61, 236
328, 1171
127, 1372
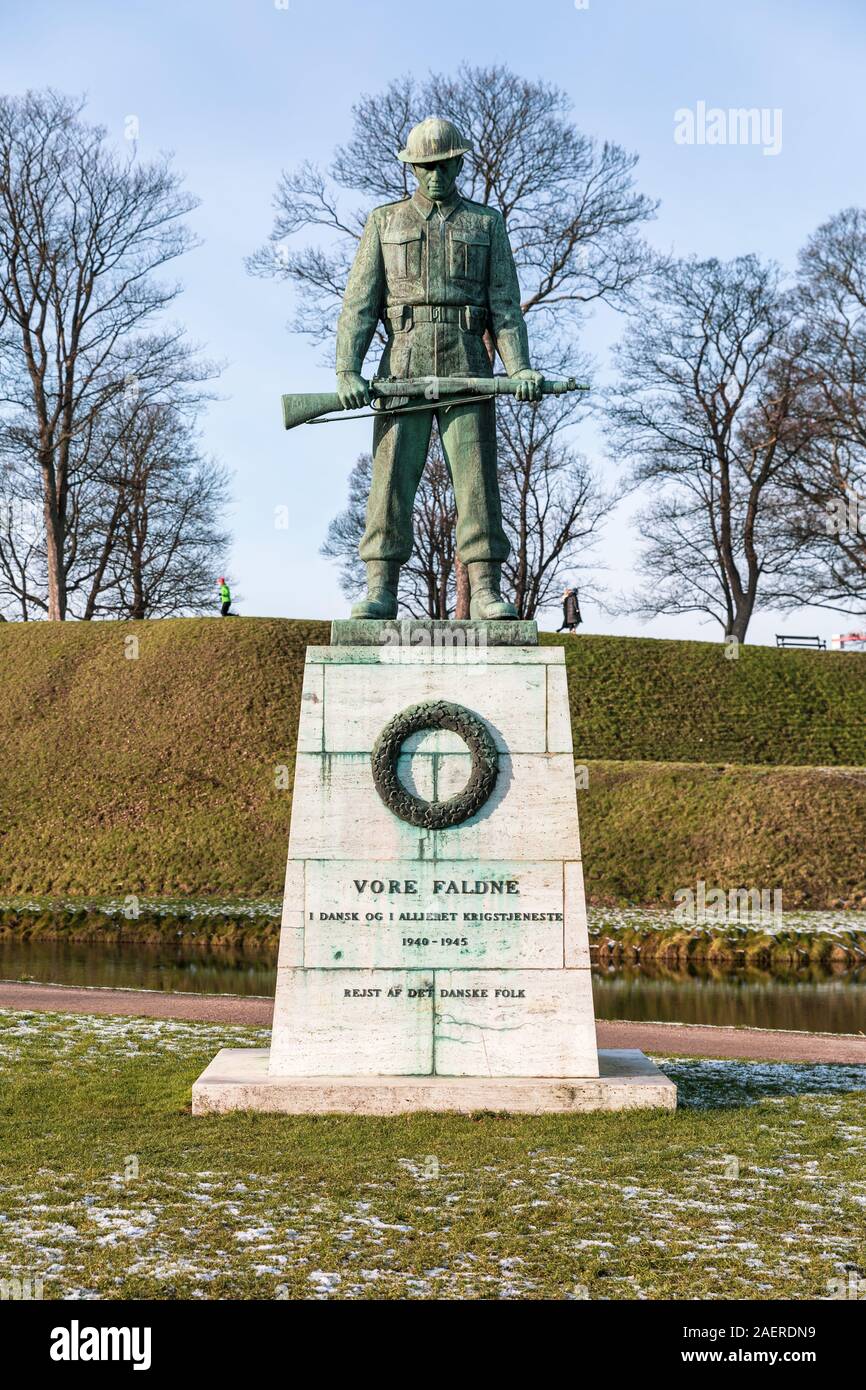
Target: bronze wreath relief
435, 714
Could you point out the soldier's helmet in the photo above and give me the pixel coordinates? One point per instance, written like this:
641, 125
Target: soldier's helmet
433, 140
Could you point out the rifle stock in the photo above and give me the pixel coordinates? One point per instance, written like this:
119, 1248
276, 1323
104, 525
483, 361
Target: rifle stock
299, 410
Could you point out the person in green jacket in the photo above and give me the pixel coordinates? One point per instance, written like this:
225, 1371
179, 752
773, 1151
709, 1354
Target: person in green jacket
225, 599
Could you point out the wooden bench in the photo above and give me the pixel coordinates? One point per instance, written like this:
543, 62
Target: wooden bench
817, 642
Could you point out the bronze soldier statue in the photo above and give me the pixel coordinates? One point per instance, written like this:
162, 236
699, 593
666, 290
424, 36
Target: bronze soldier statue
437, 270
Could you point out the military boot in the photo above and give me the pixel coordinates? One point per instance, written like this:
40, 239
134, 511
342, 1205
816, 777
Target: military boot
381, 601
486, 600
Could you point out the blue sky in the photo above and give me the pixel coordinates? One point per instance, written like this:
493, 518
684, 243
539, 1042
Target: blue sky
240, 89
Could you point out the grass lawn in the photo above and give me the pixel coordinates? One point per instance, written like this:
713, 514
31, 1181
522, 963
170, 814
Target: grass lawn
756, 1187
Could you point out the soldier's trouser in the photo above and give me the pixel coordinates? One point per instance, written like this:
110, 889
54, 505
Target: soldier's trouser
468, 434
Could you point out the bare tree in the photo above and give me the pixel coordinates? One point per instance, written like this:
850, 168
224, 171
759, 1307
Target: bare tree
23, 582
701, 413
553, 505
823, 507
347, 528
572, 211
82, 235
160, 527
96, 499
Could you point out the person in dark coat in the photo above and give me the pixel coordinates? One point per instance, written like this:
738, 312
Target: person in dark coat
570, 610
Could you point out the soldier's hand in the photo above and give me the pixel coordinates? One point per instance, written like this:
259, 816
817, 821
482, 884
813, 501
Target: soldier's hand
353, 390
530, 385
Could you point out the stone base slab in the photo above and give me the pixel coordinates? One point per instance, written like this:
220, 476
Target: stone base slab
238, 1079
433, 632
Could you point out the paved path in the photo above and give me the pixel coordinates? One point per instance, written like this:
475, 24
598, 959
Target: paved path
759, 1044
145, 1003
679, 1039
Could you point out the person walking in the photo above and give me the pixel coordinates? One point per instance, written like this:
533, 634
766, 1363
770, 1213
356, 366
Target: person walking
570, 610
225, 599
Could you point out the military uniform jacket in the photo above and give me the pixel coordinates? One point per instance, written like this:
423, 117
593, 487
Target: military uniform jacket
437, 276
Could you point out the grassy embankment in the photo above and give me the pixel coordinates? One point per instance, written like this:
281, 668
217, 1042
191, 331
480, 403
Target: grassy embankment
157, 774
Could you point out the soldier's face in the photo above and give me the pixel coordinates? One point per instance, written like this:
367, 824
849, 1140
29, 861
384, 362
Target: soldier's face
437, 180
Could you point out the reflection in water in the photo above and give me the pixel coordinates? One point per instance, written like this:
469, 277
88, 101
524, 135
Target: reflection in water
122, 965
816, 999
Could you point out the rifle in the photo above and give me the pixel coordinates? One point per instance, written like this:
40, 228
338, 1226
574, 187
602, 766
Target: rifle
390, 395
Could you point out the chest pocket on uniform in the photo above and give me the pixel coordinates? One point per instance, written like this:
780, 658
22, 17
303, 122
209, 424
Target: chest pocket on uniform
402, 254
468, 254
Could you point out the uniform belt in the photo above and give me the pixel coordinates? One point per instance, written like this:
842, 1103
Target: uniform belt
469, 316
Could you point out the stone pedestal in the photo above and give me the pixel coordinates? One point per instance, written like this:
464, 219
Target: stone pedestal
434, 951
